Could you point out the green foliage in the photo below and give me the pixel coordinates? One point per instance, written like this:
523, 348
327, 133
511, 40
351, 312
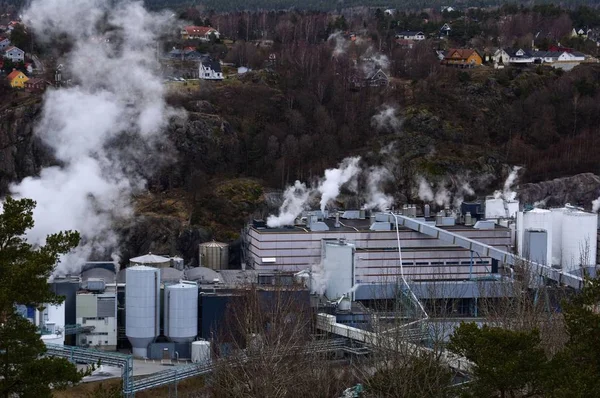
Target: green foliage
505, 361
421, 376
20, 38
24, 271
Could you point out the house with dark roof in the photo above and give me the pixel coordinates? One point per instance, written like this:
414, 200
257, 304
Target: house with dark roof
198, 32
210, 69
511, 56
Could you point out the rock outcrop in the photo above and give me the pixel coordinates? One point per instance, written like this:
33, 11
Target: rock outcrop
580, 189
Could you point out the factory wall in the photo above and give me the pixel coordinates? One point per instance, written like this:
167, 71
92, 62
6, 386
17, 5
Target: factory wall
97, 310
376, 256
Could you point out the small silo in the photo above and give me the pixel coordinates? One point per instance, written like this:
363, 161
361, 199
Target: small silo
214, 255
181, 312
142, 306
201, 351
579, 244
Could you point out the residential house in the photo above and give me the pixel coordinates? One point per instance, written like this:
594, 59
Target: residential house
377, 79
15, 54
199, 32
410, 35
4, 43
559, 59
390, 11
17, 79
511, 56
581, 32
210, 69
448, 9
462, 57
36, 85
445, 30
11, 25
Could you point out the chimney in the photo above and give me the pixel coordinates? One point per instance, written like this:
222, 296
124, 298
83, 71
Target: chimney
337, 219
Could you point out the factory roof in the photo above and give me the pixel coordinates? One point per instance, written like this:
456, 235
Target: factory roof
358, 225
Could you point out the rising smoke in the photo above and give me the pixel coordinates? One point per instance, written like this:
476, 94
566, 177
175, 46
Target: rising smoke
507, 193
448, 191
346, 175
595, 205
386, 119
294, 202
330, 186
340, 42
102, 129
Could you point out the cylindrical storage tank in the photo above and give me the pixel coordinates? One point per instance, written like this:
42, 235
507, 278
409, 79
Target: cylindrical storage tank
557, 220
201, 351
579, 242
181, 312
214, 255
535, 220
142, 306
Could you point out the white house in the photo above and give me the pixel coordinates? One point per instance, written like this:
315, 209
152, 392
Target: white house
508, 56
410, 35
4, 43
445, 30
448, 9
210, 69
390, 11
199, 32
14, 54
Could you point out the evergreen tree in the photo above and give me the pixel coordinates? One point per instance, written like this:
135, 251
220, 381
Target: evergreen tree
506, 362
24, 273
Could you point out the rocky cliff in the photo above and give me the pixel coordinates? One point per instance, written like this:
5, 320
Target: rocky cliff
580, 189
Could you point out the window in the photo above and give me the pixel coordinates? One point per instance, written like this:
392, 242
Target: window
105, 342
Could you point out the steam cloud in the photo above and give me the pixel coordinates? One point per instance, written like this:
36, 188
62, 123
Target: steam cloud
295, 198
346, 174
104, 128
335, 178
425, 191
507, 193
341, 44
386, 119
460, 187
596, 205
377, 199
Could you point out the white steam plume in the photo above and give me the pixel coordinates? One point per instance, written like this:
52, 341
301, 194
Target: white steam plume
329, 188
463, 187
374, 60
386, 119
341, 44
508, 193
442, 195
295, 198
425, 191
596, 205
319, 278
103, 128
377, 199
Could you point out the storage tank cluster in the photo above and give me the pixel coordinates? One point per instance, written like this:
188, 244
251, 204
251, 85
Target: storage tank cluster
567, 236
142, 309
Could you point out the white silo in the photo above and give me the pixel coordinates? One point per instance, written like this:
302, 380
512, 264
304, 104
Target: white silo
181, 312
557, 222
201, 351
142, 306
579, 239
535, 220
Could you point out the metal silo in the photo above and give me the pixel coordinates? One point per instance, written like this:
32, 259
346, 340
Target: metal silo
142, 306
181, 312
214, 255
579, 242
533, 245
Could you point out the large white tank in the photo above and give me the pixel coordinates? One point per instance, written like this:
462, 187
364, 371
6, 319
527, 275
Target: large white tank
579, 239
142, 306
181, 312
214, 255
557, 220
536, 219
201, 351
494, 208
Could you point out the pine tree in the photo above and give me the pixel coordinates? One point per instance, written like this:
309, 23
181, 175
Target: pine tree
24, 273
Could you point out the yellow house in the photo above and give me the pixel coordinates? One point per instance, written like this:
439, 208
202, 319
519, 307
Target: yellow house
464, 57
17, 79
